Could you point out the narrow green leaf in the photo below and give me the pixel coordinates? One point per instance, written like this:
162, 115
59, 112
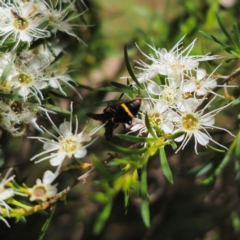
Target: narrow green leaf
224, 30
99, 197
100, 167
46, 224
108, 103
84, 86
207, 35
236, 34
114, 89
102, 218
11, 96
119, 149
219, 169
237, 149
216, 149
149, 128
126, 198
165, 166
55, 108
130, 69
235, 53
205, 169
144, 194
122, 86
217, 104
130, 138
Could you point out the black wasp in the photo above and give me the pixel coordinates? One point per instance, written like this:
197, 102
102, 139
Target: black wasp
112, 115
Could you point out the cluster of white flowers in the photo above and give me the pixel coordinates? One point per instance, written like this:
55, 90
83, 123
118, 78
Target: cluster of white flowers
27, 75
27, 21
42, 191
174, 88
68, 143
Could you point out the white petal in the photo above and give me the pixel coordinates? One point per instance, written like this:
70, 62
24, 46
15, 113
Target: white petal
80, 153
49, 177
153, 88
7, 193
202, 138
207, 120
51, 191
189, 86
65, 129
168, 127
57, 159
201, 73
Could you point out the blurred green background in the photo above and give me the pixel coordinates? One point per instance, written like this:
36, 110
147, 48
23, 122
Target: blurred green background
186, 210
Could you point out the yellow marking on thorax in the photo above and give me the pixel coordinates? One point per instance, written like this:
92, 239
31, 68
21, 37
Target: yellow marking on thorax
127, 110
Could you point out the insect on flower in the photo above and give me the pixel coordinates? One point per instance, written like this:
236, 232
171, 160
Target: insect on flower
112, 115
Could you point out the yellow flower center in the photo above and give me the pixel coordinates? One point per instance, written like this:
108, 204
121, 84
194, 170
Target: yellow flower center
20, 24
24, 79
189, 122
154, 119
39, 191
169, 95
68, 145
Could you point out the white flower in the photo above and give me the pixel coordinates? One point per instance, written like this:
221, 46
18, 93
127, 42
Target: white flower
58, 19
174, 94
196, 124
43, 189
40, 56
158, 115
67, 144
201, 85
6, 193
54, 79
173, 63
21, 22
29, 82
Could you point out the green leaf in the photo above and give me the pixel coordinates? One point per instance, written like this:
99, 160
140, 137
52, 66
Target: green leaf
102, 218
131, 138
237, 149
130, 69
114, 89
122, 86
165, 166
225, 31
219, 168
119, 149
206, 168
99, 197
144, 194
46, 224
55, 108
236, 34
11, 96
149, 128
216, 104
100, 167
209, 36
216, 149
